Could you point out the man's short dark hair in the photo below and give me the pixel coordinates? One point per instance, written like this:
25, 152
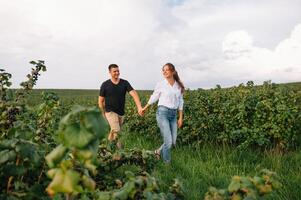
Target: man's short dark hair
112, 66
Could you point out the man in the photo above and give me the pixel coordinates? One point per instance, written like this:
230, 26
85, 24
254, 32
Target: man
111, 101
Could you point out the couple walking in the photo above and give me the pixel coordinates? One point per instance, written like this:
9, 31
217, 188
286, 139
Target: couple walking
168, 93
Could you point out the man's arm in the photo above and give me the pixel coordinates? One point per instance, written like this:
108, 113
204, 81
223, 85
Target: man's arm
101, 104
136, 98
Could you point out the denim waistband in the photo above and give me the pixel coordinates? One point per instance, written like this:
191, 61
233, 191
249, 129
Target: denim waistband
172, 109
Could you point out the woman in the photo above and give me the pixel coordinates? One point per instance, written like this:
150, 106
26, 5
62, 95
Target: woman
169, 93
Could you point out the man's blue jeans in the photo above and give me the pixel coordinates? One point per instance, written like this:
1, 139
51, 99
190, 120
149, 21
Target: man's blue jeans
167, 122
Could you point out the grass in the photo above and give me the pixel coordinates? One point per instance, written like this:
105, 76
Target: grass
67, 96
72, 96
201, 167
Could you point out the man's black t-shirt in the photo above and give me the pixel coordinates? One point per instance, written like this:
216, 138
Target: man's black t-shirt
114, 95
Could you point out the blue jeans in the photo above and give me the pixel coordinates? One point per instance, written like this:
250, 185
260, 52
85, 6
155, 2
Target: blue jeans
167, 122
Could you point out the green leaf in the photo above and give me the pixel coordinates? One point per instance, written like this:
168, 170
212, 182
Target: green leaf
75, 136
121, 195
51, 173
89, 183
234, 186
14, 170
81, 126
236, 197
65, 182
95, 123
8, 144
7, 156
55, 156
104, 195
26, 150
246, 183
258, 180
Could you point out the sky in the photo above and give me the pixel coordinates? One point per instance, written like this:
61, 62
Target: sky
210, 42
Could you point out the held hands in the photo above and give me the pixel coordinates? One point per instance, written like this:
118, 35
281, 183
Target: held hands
141, 111
144, 108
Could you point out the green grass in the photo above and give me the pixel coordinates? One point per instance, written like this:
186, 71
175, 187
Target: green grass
204, 166
67, 96
72, 96
90, 97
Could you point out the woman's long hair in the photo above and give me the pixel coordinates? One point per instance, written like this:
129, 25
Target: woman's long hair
176, 76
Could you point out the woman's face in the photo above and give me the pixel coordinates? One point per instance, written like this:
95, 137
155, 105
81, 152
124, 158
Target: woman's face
167, 72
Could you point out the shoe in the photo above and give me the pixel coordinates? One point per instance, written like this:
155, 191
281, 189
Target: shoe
157, 154
119, 145
167, 163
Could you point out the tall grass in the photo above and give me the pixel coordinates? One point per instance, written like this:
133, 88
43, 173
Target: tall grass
208, 165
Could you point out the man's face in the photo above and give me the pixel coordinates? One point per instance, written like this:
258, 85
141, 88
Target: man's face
115, 73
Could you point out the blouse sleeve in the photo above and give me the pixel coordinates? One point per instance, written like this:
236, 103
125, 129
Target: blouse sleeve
156, 94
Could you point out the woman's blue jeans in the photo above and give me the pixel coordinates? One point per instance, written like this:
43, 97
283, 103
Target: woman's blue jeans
167, 122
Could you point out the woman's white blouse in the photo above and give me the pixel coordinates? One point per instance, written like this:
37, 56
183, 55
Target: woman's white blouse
169, 96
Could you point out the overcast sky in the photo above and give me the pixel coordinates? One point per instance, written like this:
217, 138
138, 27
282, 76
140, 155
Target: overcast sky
210, 42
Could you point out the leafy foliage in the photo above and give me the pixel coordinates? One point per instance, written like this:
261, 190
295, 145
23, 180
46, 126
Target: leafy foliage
246, 187
45, 154
267, 116
79, 163
142, 187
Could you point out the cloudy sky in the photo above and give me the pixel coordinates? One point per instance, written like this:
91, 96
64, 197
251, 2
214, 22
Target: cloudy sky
210, 42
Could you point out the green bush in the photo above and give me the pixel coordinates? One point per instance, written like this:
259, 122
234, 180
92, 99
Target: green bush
267, 116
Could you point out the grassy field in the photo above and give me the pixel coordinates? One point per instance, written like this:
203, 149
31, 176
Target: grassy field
207, 165
67, 96
72, 96
204, 166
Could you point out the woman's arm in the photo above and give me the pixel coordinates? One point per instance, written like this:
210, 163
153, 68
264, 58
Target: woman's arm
154, 97
181, 104
156, 94
180, 120
145, 107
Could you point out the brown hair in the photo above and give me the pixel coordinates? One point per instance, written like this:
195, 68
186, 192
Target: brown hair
175, 76
112, 66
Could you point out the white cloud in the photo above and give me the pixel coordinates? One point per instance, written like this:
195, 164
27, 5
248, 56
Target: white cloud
79, 39
257, 63
237, 44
